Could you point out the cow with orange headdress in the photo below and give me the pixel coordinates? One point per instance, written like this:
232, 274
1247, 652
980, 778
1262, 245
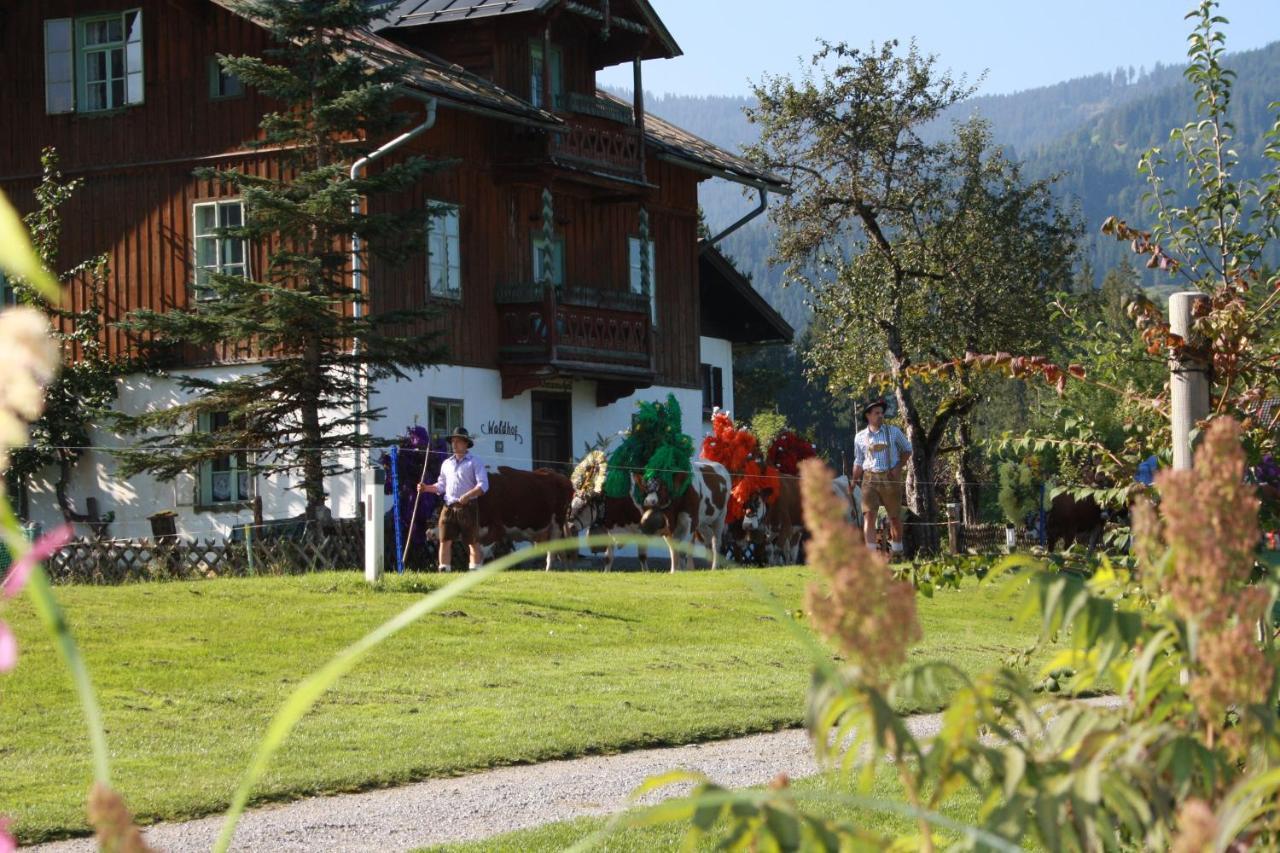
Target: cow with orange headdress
756, 486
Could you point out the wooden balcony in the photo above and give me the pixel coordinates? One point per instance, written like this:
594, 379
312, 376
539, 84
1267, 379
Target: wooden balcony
547, 332
599, 144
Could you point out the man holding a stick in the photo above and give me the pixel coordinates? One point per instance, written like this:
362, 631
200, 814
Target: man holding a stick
462, 480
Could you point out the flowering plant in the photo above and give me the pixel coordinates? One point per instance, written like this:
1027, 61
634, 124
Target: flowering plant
1188, 760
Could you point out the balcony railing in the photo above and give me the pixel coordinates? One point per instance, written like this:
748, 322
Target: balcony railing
579, 330
600, 144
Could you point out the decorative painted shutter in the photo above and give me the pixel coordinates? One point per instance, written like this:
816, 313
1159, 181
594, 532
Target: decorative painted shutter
133, 56
59, 65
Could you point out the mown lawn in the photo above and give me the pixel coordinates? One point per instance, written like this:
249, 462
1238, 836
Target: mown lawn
532, 666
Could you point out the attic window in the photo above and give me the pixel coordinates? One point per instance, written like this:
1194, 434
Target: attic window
537, 68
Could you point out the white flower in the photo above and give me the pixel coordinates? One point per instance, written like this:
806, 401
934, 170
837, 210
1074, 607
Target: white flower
30, 359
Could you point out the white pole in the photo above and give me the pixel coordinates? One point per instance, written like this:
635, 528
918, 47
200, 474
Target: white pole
1188, 379
374, 503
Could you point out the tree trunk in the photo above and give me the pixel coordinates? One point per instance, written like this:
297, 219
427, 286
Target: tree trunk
919, 486
312, 455
967, 480
100, 528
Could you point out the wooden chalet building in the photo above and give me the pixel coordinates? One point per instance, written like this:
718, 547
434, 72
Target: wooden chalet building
547, 171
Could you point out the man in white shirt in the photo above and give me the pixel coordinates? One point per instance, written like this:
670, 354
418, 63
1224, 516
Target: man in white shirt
880, 454
462, 480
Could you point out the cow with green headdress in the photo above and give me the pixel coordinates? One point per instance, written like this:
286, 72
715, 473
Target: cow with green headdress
679, 498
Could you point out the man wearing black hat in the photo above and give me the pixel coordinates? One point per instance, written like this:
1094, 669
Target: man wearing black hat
462, 480
880, 454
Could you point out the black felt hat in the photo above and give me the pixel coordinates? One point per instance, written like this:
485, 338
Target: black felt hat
464, 435
879, 401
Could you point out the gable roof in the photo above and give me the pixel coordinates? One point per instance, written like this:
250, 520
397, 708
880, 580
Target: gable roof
438, 77
676, 143
453, 84
416, 13
412, 13
731, 308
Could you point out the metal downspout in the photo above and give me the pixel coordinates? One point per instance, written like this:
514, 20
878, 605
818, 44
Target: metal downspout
357, 308
752, 214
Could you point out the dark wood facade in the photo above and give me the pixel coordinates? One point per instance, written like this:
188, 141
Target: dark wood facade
137, 162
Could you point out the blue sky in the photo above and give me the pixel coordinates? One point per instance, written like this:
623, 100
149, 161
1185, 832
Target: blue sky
1021, 43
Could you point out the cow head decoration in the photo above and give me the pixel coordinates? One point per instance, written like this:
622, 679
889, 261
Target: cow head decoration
585, 511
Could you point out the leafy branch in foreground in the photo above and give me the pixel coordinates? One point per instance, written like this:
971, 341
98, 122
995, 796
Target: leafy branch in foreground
1189, 758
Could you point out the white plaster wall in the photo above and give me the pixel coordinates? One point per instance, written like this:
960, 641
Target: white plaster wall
718, 352
134, 499
481, 392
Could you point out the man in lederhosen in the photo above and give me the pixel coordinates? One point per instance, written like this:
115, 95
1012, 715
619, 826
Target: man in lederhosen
880, 454
462, 481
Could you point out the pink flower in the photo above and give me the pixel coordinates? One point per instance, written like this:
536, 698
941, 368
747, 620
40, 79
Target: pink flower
8, 660
7, 843
46, 546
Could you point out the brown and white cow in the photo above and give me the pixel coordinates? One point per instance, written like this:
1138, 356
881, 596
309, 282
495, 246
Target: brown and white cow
781, 522
524, 506
698, 513
598, 514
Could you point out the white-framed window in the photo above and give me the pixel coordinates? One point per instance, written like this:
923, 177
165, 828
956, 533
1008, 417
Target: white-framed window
8, 296
443, 416
222, 83
556, 257
538, 67
214, 251
93, 63
444, 251
223, 479
637, 278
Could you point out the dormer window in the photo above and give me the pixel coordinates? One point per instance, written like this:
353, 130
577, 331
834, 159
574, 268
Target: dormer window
538, 67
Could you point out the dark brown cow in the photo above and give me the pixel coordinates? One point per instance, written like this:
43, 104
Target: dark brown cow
524, 506
598, 514
1070, 520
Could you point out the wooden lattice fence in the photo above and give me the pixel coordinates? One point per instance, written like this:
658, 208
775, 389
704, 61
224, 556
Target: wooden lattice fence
339, 545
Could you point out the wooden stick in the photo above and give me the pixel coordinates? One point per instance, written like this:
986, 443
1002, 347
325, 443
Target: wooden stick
417, 496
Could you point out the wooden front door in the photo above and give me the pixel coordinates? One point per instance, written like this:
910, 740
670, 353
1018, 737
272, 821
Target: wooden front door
552, 431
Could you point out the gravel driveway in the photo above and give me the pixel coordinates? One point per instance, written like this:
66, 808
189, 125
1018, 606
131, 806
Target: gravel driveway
467, 808
488, 803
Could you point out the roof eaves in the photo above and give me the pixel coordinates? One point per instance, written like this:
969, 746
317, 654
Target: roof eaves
660, 29
748, 292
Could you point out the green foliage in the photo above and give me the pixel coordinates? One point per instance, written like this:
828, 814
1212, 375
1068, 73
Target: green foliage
298, 317
1019, 492
911, 250
85, 386
766, 426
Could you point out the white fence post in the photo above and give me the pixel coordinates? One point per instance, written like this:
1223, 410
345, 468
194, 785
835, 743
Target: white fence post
1188, 379
374, 550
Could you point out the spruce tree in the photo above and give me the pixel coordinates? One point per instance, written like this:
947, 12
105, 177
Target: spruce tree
296, 319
